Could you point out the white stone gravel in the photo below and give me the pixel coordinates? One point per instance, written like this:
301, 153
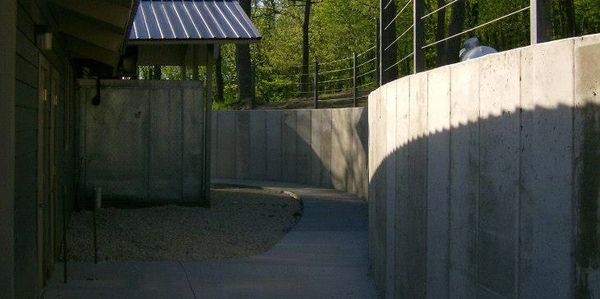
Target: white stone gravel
241, 223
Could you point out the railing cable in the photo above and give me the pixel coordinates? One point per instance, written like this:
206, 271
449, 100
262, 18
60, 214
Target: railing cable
366, 62
399, 61
399, 37
477, 27
366, 51
398, 14
336, 80
367, 73
439, 8
335, 71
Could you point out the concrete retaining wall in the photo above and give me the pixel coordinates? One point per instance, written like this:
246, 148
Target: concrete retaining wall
325, 147
485, 177
144, 142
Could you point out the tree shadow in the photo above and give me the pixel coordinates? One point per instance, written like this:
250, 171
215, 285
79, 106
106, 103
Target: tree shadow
500, 205
321, 148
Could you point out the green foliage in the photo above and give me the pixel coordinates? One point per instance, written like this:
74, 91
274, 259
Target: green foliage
337, 29
508, 33
340, 28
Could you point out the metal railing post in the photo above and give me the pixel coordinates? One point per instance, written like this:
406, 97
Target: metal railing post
540, 21
316, 85
378, 66
419, 37
354, 80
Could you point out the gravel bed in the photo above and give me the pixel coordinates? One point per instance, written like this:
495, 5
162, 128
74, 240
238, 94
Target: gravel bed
241, 222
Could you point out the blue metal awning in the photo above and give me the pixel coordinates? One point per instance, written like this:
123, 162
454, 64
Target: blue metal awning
191, 20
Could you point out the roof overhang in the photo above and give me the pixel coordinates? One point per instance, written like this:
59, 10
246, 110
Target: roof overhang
176, 54
193, 42
178, 32
177, 22
94, 30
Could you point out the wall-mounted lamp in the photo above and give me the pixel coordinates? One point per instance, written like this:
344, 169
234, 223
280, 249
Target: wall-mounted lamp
43, 37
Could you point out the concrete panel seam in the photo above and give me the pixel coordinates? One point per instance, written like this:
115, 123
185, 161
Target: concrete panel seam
520, 180
182, 145
574, 196
478, 204
449, 231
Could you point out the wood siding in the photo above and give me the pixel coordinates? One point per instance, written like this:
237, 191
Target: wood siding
26, 149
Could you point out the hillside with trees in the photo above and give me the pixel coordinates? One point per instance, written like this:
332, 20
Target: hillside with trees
296, 33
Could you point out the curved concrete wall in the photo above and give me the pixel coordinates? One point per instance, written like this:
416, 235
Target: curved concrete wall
485, 177
325, 147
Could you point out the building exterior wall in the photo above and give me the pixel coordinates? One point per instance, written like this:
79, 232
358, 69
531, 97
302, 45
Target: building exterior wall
8, 21
28, 282
483, 177
324, 147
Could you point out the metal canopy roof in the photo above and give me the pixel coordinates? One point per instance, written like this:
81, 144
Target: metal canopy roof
191, 21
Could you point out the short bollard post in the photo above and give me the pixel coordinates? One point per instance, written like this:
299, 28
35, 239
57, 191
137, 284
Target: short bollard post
97, 206
316, 85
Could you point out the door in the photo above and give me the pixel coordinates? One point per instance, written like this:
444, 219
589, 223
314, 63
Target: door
53, 152
46, 174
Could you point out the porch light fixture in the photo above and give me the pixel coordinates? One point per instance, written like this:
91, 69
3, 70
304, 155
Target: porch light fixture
43, 37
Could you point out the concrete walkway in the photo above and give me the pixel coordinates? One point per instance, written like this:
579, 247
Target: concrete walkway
324, 256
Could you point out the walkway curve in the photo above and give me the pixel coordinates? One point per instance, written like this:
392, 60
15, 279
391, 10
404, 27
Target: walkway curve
324, 256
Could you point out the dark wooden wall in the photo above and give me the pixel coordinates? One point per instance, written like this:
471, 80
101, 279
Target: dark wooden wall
8, 17
29, 13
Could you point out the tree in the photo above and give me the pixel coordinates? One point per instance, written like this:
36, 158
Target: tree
305, 44
219, 96
157, 74
440, 33
307, 4
389, 43
335, 29
567, 7
457, 22
243, 59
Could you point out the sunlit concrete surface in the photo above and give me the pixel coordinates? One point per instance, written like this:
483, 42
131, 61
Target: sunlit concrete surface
484, 176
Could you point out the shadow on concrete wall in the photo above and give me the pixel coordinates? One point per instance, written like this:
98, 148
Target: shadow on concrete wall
324, 148
504, 206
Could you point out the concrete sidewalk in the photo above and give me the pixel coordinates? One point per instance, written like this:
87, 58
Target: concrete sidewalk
324, 256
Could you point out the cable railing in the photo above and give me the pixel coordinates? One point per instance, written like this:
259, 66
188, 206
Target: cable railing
477, 27
403, 46
348, 78
393, 21
414, 54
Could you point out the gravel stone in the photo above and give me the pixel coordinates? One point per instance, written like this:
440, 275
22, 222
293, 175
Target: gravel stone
240, 223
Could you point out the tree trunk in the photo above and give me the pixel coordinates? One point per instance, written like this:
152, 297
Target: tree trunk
388, 35
440, 33
219, 97
570, 29
305, 46
157, 74
457, 21
243, 60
